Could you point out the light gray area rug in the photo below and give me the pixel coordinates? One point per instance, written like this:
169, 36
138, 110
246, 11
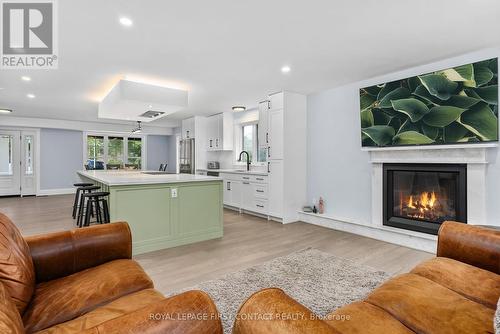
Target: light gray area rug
318, 280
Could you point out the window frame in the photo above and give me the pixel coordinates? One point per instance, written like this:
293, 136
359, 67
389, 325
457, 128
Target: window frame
125, 137
255, 144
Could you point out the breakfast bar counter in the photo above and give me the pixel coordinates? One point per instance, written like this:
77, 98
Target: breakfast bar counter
163, 210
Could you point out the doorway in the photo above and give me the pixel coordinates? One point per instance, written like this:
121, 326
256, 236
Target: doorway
18, 175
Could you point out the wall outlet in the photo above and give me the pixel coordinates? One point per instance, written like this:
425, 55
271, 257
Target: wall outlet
173, 192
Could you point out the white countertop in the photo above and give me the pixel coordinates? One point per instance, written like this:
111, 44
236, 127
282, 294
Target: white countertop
233, 171
115, 178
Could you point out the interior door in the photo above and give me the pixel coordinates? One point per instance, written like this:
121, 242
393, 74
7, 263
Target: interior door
10, 163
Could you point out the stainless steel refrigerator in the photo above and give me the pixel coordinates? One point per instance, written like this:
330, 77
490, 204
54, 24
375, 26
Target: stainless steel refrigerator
186, 156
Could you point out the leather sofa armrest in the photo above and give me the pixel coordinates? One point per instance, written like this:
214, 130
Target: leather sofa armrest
64, 253
272, 311
474, 245
191, 312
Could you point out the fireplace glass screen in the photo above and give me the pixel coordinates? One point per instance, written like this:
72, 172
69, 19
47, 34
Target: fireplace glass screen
429, 196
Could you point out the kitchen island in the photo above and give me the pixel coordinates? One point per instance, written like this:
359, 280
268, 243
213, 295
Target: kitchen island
163, 210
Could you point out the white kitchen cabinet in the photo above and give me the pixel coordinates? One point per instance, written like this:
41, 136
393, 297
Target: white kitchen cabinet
263, 124
275, 145
188, 126
220, 129
275, 191
247, 195
232, 193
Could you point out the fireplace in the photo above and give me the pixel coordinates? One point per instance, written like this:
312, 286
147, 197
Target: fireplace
419, 197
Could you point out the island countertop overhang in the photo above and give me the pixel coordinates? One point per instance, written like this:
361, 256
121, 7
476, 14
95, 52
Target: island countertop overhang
121, 178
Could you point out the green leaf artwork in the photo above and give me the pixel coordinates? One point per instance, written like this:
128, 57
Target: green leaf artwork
455, 105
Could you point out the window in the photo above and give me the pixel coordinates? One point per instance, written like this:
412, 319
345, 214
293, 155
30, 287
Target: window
28, 150
113, 152
134, 152
6, 143
95, 152
249, 140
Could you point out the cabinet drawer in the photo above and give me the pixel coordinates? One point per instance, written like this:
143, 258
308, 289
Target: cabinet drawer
258, 178
260, 206
260, 191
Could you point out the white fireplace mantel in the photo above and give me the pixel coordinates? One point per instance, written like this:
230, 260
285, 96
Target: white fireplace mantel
475, 158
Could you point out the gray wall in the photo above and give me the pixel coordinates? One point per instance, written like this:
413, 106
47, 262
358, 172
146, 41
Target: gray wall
61, 155
160, 149
337, 168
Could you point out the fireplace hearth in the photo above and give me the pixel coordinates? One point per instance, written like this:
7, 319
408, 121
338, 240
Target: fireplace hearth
419, 197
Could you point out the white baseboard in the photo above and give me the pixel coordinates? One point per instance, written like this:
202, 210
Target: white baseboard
61, 191
410, 239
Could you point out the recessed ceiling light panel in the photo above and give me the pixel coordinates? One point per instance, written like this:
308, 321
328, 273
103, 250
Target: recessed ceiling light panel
286, 69
30, 96
125, 21
25, 78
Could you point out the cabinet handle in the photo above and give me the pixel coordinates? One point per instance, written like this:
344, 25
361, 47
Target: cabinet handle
217, 143
259, 179
267, 137
260, 191
210, 143
268, 167
187, 133
269, 151
260, 206
246, 182
246, 178
229, 186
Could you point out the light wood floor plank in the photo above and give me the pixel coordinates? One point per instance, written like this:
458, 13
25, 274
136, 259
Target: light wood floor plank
247, 241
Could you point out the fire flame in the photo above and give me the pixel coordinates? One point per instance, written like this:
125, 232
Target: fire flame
423, 203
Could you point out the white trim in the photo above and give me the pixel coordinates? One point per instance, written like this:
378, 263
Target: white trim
431, 147
415, 240
52, 192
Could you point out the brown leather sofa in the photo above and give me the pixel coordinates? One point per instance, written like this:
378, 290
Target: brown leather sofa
456, 292
84, 281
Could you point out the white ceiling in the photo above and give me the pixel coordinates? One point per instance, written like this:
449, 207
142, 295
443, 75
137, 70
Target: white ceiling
228, 52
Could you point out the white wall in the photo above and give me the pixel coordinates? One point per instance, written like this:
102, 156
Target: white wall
340, 171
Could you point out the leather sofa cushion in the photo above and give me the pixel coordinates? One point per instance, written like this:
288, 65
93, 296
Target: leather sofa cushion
361, 318
16, 266
69, 297
10, 320
428, 307
477, 284
115, 309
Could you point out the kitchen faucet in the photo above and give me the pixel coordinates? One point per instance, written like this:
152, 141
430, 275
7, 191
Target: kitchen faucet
248, 159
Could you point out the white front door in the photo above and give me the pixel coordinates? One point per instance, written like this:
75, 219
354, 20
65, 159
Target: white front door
10, 162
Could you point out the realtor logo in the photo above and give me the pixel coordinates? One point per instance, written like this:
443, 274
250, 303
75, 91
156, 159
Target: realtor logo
28, 34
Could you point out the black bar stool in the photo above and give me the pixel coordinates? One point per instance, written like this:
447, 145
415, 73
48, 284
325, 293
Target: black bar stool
81, 212
99, 202
77, 195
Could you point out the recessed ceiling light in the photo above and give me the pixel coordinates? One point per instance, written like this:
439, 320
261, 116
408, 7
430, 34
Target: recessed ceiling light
125, 21
31, 96
25, 78
285, 69
5, 111
239, 108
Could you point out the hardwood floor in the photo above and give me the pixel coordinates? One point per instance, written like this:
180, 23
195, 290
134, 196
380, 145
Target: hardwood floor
247, 241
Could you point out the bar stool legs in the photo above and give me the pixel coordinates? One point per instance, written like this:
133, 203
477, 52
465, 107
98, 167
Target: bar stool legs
95, 201
77, 195
81, 209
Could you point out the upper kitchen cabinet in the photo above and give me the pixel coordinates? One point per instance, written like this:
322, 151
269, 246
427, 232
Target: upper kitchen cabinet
220, 128
188, 128
263, 124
